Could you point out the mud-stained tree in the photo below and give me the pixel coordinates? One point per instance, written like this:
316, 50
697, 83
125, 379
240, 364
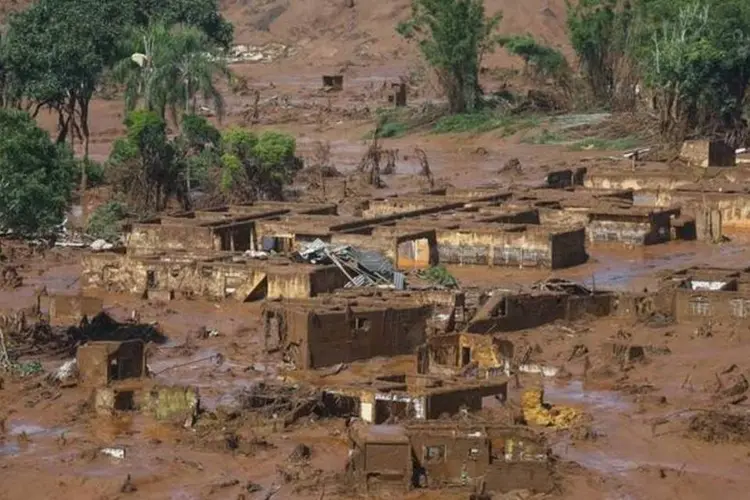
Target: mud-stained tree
141, 165
453, 35
36, 176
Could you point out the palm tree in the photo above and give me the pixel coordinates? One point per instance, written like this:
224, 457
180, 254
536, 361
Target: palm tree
170, 69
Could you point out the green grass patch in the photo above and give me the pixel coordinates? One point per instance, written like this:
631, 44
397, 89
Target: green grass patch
595, 143
544, 137
478, 123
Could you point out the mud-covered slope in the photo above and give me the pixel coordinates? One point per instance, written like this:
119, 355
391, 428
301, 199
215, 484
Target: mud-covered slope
329, 31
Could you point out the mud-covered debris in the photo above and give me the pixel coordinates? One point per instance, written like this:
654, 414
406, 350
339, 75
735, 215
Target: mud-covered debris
118, 453
583, 430
720, 426
704, 331
301, 453
67, 373
9, 277
579, 350
177, 404
229, 483
512, 165
731, 385
252, 487
128, 486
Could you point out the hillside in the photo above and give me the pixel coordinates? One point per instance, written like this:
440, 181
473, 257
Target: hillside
327, 32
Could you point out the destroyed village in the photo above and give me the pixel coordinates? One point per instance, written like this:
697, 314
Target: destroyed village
359, 249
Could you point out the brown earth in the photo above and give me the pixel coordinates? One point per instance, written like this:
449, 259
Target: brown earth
643, 442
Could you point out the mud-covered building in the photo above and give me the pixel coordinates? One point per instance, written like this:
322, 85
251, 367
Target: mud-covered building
395, 397
507, 310
704, 293
324, 331
450, 454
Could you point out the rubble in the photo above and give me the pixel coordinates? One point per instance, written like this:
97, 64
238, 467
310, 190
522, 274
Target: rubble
720, 426
361, 268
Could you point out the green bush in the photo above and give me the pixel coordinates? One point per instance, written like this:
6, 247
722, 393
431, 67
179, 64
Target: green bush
94, 172
106, 221
484, 121
275, 148
239, 142
392, 129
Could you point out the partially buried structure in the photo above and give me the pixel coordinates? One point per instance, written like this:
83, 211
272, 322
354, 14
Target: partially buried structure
474, 455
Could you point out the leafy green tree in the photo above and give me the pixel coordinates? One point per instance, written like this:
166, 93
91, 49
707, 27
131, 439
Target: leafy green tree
540, 59
453, 35
196, 147
57, 51
202, 14
55, 54
36, 176
697, 63
691, 56
170, 68
601, 32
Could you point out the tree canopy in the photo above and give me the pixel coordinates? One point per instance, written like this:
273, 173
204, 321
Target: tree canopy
692, 56
453, 35
36, 176
169, 68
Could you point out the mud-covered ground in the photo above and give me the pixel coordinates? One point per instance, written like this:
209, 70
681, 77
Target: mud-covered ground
643, 440
639, 444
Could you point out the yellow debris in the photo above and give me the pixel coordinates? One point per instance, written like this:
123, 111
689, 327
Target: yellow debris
537, 412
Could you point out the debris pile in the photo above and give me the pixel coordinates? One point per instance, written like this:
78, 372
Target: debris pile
362, 268
264, 53
537, 412
720, 426
9, 277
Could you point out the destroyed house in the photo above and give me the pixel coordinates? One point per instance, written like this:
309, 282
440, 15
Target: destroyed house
703, 293
413, 205
328, 330
512, 245
401, 397
71, 309
506, 311
455, 351
219, 276
451, 454
227, 229
102, 362
630, 225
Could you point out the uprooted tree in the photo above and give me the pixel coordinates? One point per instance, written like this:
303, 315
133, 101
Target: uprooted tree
453, 35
